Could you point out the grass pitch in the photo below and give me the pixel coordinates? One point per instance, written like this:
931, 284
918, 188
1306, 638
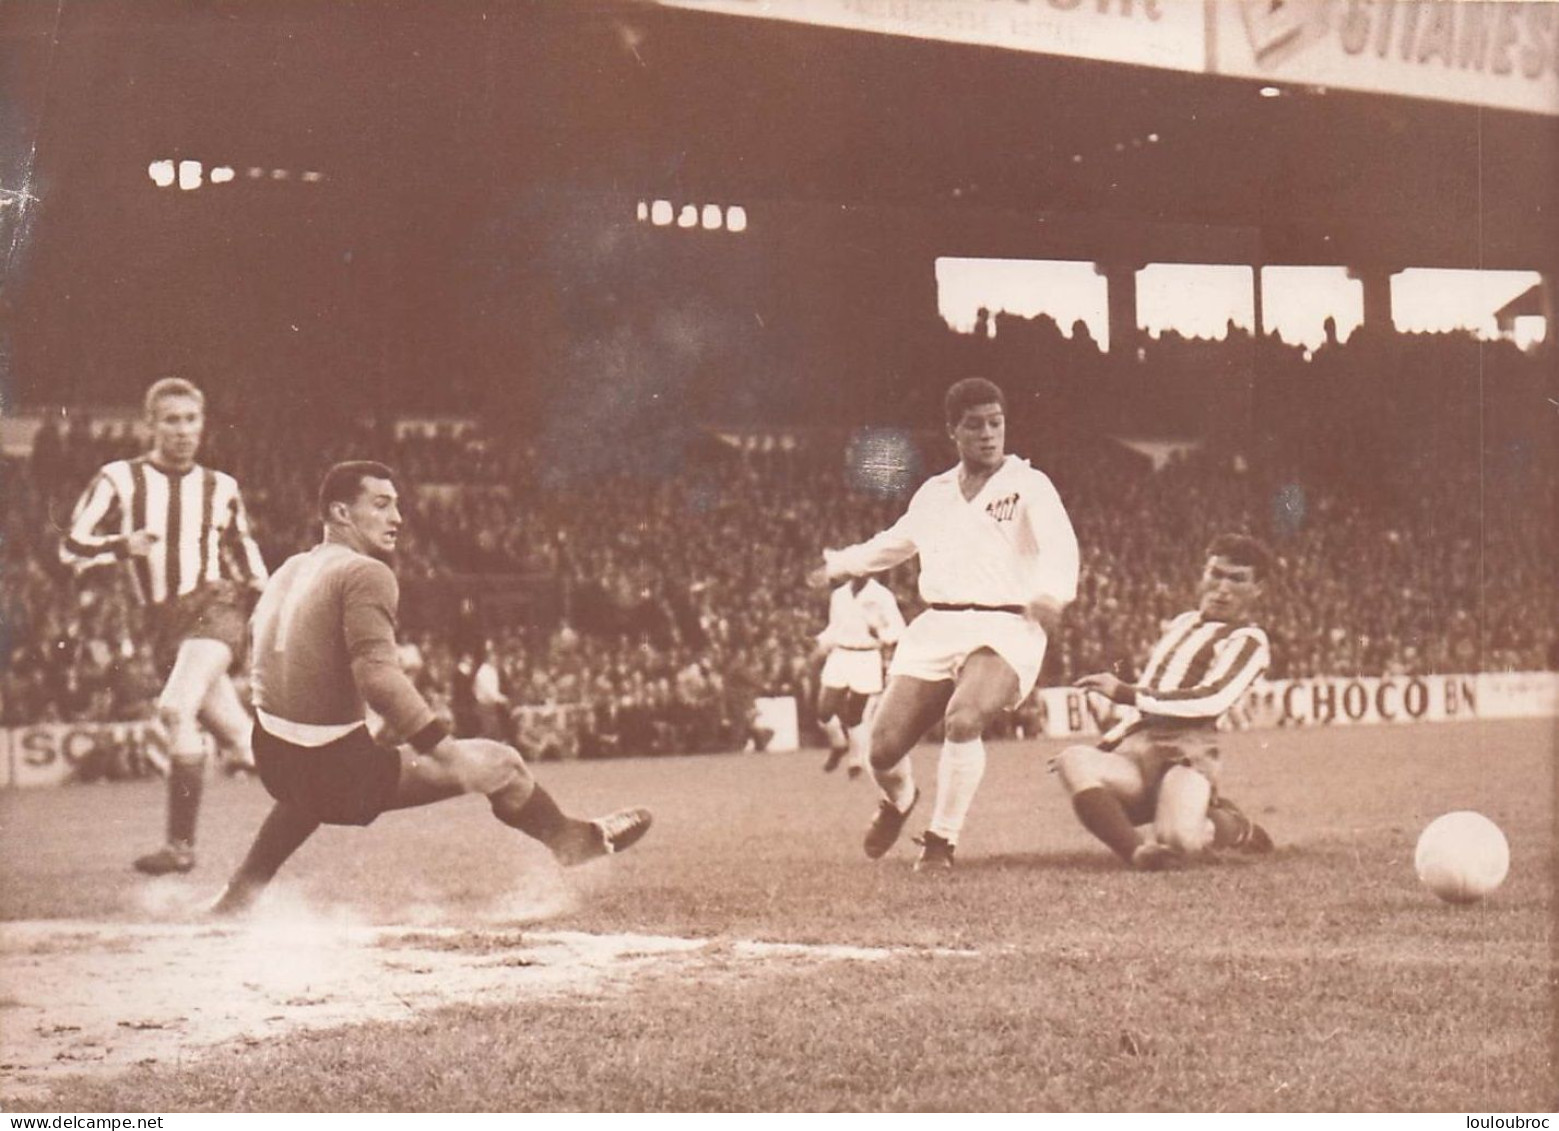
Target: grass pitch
1040, 975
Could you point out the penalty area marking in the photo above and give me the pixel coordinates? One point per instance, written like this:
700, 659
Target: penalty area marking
100, 998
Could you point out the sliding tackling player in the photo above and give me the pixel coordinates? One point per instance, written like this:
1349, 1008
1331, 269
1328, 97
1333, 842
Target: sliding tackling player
1161, 765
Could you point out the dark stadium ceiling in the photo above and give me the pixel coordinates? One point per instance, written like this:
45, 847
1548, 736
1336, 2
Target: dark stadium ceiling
431, 108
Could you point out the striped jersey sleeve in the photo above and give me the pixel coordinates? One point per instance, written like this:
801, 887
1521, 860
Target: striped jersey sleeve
1207, 670
243, 552
96, 536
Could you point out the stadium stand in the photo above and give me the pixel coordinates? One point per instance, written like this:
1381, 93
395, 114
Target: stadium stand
639, 601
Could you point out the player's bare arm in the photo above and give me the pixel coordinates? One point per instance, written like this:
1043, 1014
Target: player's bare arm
1112, 687
134, 545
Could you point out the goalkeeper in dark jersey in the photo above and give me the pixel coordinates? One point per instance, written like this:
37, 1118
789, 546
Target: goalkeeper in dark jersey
324, 655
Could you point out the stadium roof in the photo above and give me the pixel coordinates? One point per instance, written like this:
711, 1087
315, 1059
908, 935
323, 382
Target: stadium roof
1306, 177
442, 101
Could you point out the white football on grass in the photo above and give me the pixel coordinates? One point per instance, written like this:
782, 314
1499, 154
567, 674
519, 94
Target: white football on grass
1462, 856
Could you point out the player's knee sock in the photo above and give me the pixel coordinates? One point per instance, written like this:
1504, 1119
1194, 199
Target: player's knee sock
538, 816
1102, 814
186, 784
859, 740
186, 769
959, 770
897, 783
834, 732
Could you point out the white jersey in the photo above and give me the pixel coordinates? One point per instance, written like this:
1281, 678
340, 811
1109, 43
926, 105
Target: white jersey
863, 621
1011, 543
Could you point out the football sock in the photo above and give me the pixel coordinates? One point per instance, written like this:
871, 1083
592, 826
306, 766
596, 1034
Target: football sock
1102, 814
897, 783
958, 774
538, 817
834, 732
186, 784
860, 745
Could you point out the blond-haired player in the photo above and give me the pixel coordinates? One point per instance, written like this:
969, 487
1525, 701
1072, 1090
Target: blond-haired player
181, 532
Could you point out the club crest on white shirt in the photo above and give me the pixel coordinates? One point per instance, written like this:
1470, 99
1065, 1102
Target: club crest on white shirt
1003, 509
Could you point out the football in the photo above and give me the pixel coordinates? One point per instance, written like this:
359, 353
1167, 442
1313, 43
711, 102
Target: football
1462, 857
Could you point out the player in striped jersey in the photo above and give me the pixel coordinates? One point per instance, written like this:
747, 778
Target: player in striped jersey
1161, 763
181, 532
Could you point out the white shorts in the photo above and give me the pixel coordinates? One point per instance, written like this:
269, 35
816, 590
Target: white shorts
855, 669
936, 645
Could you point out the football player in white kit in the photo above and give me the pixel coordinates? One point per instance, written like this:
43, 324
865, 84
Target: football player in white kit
998, 562
863, 618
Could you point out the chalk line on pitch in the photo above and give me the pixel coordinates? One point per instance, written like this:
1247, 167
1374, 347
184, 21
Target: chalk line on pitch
100, 998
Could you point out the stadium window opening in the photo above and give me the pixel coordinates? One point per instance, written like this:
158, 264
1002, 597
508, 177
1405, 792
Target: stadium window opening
189, 174
708, 217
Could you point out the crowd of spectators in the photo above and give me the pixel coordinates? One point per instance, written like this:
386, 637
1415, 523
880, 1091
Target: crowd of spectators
642, 597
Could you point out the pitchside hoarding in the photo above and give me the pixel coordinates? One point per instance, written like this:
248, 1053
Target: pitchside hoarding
62, 753
1153, 33
1503, 55
1329, 701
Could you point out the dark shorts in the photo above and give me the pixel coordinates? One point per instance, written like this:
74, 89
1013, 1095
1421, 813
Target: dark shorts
215, 611
1154, 754
346, 782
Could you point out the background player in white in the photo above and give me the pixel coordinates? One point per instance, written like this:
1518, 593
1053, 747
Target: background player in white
325, 654
182, 532
863, 618
998, 562
1161, 763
